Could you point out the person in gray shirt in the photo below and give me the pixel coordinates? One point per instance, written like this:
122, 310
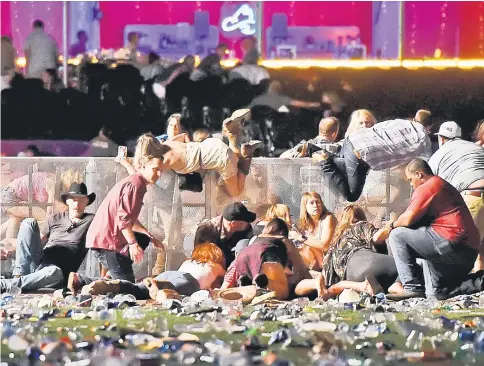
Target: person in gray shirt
461, 163
102, 145
40, 51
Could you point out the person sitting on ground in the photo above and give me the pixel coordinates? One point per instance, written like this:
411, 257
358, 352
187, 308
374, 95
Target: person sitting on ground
274, 99
461, 163
296, 267
328, 133
247, 269
227, 229
102, 145
436, 227
200, 272
385, 145
354, 252
314, 231
116, 238
45, 257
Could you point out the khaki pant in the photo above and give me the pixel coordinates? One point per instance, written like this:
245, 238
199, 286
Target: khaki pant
476, 207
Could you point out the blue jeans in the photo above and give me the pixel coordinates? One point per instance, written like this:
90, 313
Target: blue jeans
119, 266
346, 173
445, 264
183, 283
34, 274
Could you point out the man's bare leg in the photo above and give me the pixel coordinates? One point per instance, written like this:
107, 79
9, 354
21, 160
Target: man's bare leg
235, 184
231, 129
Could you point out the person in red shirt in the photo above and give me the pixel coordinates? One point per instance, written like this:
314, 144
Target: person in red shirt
116, 238
436, 227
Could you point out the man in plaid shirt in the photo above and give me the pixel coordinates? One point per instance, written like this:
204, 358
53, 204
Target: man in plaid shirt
385, 145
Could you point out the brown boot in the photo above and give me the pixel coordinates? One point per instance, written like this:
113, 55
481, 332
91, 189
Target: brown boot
232, 124
159, 264
247, 150
244, 165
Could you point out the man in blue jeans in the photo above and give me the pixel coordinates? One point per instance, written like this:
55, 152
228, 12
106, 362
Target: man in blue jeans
45, 257
438, 228
383, 146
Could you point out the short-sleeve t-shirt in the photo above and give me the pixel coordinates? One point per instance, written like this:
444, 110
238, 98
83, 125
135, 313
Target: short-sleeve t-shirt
66, 244
449, 216
459, 162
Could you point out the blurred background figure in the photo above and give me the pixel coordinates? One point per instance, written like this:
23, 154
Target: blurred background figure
80, 46
40, 51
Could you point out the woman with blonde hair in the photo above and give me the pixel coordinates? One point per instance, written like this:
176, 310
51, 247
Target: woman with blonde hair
316, 227
174, 129
361, 118
279, 211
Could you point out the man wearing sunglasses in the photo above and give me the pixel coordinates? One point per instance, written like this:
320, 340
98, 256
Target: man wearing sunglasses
45, 256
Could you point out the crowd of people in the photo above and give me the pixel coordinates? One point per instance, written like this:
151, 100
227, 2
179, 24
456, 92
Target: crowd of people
432, 249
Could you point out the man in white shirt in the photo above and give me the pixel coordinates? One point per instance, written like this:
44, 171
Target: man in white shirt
461, 163
40, 51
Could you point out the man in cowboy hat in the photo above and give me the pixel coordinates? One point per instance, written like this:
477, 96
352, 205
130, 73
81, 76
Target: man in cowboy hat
45, 257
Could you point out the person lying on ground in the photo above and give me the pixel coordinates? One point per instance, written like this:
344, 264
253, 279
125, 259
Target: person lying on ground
200, 272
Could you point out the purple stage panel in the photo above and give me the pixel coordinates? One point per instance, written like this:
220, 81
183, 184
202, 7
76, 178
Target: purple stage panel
56, 147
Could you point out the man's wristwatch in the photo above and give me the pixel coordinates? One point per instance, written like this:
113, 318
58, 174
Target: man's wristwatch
392, 225
133, 242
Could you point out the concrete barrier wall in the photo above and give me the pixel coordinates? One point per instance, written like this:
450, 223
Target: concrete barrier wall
173, 215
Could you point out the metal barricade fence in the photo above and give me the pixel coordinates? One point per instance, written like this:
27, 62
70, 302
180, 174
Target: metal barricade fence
31, 187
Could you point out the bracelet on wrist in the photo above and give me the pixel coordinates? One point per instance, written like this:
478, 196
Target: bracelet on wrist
133, 242
392, 225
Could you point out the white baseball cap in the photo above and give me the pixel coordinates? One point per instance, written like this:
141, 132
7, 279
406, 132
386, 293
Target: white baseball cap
450, 129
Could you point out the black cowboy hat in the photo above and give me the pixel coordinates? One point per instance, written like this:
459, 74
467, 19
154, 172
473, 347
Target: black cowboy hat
78, 190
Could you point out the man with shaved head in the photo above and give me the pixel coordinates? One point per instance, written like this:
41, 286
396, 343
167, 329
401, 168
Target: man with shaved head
328, 133
436, 227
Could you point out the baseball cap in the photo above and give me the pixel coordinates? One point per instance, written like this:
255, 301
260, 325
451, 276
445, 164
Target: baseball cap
238, 212
450, 129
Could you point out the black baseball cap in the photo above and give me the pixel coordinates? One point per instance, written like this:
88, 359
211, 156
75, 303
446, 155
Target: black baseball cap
238, 212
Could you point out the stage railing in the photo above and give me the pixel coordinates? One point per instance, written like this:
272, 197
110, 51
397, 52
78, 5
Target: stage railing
173, 215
